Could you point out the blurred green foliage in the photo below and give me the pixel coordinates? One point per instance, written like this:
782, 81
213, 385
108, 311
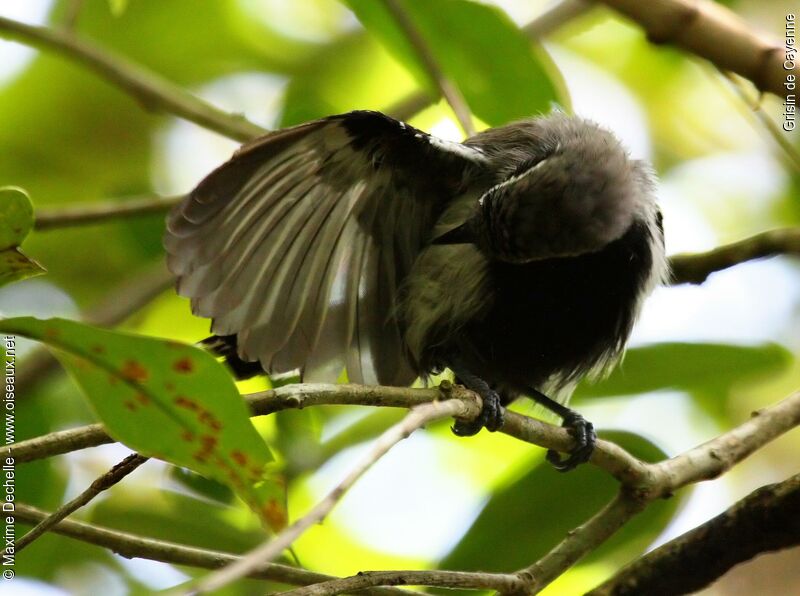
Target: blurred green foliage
70, 137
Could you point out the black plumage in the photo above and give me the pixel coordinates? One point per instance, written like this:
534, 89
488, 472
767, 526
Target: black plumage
519, 259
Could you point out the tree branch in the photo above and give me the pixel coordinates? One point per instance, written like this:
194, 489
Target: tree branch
447, 88
608, 456
695, 268
57, 443
660, 480
132, 546
416, 419
766, 520
104, 482
713, 32
151, 89
443, 579
98, 212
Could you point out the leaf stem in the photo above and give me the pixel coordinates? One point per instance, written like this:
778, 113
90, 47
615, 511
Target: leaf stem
447, 88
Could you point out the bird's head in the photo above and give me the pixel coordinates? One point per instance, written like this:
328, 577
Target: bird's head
574, 191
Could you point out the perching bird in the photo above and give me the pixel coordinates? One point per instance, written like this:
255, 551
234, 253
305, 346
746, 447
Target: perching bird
518, 259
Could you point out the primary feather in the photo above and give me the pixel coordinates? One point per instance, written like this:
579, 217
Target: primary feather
298, 245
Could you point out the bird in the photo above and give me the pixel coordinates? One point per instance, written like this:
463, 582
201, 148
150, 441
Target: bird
519, 258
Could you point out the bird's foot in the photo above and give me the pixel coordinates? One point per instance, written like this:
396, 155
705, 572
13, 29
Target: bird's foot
491, 417
585, 438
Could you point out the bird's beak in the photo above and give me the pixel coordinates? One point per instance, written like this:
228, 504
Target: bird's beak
463, 234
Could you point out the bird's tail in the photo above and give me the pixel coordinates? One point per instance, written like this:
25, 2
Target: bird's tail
225, 347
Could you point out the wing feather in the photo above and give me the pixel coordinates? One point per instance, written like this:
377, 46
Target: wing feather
298, 244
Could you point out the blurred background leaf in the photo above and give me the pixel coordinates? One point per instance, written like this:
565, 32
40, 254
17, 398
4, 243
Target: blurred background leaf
695, 368
490, 62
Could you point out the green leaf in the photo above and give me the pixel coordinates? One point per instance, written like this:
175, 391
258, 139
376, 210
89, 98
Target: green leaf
16, 216
16, 221
692, 367
352, 72
527, 518
298, 439
502, 74
167, 400
15, 266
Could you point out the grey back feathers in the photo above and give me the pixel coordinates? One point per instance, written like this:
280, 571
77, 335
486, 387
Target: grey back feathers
312, 245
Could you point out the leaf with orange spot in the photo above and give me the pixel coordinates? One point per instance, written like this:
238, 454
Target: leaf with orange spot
167, 400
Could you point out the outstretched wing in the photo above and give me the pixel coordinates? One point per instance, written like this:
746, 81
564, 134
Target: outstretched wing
298, 244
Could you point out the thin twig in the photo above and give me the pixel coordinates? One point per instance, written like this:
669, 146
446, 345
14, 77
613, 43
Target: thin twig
443, 579
151, 89
409, 106
754, 105
133, 546
88, 213
714, 32
660, 480
416, 419
72, 10
132, 295
555, 16
695, 268
715, 457
104, 482
580, 542
447, 88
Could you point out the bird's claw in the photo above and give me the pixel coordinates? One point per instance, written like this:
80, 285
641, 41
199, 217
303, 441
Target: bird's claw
492, 417
585, 438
